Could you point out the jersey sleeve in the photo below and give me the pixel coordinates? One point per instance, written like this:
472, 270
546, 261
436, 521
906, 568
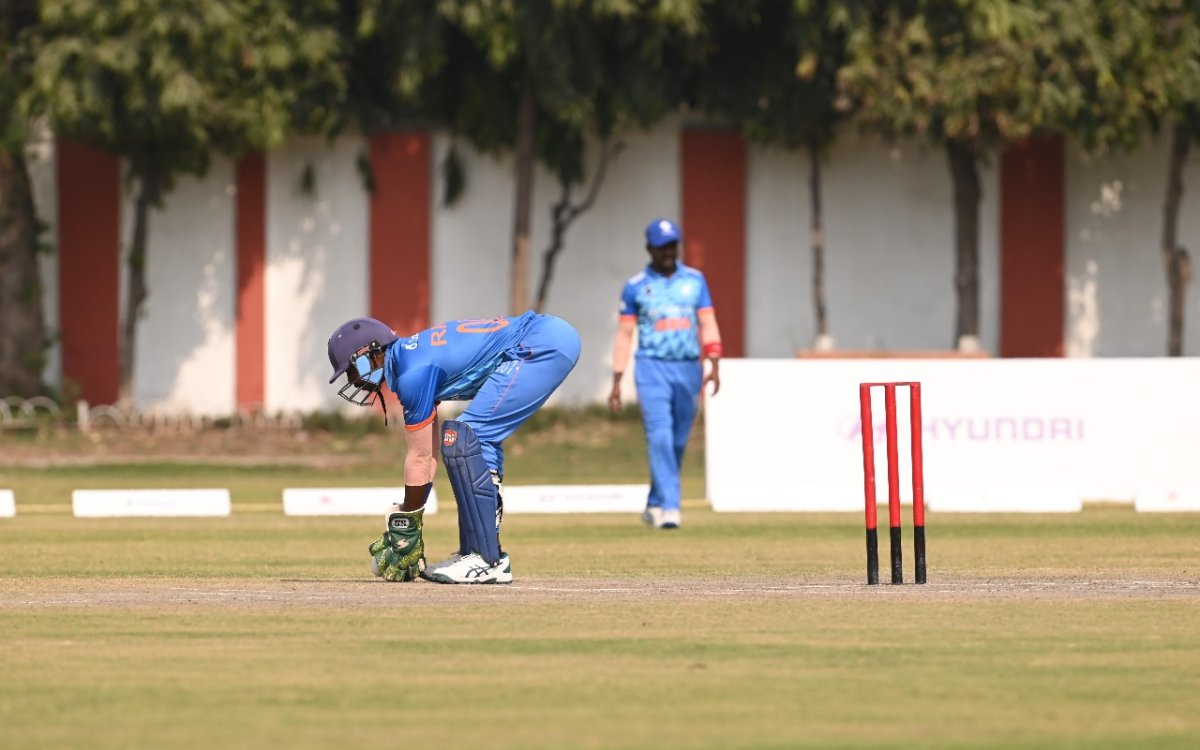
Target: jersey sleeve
417, 390
704, 301
629, 301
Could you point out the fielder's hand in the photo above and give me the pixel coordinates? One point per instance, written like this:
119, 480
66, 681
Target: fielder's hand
400, 551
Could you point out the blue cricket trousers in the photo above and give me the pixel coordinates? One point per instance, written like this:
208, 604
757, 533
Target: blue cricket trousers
667, 393
525, 378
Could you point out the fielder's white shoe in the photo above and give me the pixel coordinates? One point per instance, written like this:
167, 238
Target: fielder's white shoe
669, 520
471, 568
652, 516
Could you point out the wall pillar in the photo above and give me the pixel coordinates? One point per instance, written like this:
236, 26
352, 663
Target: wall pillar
1032, 249
89, 269
714, 225
251, 241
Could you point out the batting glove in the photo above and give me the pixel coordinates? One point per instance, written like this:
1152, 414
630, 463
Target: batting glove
400, 551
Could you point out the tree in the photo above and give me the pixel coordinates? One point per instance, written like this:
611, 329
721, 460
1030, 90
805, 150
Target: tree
972, 77
772, 73
566, 210
1125, 64
22, 334
1175, 77
165, 85
541, 78
391, 50
635, 65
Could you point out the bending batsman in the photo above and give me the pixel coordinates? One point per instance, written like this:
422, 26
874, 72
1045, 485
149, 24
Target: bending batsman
506, 368
669, 305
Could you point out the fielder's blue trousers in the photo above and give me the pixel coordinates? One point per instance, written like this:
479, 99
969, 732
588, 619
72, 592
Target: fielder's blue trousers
667, 393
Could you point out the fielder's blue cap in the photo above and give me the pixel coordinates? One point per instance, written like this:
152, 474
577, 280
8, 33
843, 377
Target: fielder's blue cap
661, 232
351, 337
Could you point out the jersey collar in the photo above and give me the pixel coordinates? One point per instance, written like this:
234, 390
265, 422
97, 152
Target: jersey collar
679, 267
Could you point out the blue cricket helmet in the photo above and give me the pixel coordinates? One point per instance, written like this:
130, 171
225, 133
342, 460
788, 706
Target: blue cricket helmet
661, 232
352, 338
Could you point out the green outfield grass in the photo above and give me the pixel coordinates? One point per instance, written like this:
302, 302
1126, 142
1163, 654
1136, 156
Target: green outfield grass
737, 631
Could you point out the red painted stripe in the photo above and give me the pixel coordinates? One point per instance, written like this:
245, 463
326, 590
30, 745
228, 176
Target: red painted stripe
400, 230
251, 238
89, 268
714, 225
1032, 249
400, 265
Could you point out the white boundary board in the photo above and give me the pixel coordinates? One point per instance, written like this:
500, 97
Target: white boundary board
999, 435
348, 501
575, 498
149, 502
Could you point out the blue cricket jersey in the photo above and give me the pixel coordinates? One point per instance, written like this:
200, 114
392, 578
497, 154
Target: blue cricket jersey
665, 308
448, 362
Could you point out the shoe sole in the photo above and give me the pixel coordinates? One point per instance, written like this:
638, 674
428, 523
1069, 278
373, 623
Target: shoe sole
431, 574
480, 582
501, 578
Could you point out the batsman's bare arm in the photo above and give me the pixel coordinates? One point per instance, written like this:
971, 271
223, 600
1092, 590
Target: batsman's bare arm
420, 463
621, 348
710, 345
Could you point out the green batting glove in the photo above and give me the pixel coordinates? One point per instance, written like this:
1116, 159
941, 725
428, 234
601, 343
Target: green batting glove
400, 551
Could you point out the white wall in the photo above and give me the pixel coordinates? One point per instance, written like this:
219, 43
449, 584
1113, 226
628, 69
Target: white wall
889, 249
1116, 282
185, 337
889, 264
316, 266
605, 246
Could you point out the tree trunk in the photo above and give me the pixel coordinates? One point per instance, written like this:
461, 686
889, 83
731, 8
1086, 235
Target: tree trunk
564, 213
523, 204
22, 336
149, 180
820, 315
1176, 262
560, 218
964, 170
22, 327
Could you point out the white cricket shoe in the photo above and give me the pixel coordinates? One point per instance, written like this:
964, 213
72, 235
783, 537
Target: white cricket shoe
443, 564
669, 520
471, 568
652, 516
452, 559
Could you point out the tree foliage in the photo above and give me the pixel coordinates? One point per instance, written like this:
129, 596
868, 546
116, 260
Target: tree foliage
770, 71
973, 76
1169, 73
22, 335
391, 49
166, 85
547, 78
170, 83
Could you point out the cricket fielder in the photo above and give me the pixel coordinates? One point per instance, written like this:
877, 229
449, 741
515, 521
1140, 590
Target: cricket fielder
506, 368
669, 306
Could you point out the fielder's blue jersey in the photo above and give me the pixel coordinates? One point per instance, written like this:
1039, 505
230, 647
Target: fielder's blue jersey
448, 362
665, 308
